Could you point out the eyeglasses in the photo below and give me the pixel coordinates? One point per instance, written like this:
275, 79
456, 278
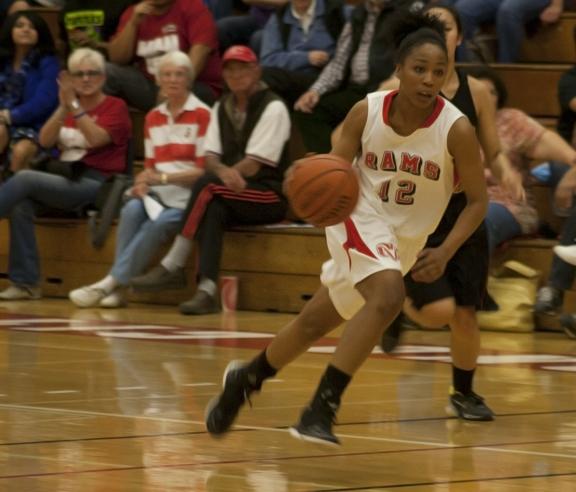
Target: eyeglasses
88, 73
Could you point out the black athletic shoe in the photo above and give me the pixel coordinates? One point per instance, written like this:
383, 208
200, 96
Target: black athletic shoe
469, 407
392, 334
568, 323
315, 425
222, 410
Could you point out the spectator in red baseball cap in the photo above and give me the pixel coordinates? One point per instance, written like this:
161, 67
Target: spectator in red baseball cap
239, 53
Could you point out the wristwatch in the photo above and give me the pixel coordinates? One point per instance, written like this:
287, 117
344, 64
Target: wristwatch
75, 105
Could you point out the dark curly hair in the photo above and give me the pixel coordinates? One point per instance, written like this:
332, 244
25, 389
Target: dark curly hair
448, 8
44, 46
410, 30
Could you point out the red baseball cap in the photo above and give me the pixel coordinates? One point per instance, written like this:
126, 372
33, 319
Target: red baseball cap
240, 53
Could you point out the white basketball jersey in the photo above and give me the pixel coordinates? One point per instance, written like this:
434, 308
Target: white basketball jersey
408, 179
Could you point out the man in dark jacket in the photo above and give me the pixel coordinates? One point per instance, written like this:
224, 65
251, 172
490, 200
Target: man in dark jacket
363, 58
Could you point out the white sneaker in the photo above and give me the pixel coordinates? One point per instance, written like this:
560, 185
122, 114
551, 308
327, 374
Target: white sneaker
116, 299
566, 253
88, 296
20, 293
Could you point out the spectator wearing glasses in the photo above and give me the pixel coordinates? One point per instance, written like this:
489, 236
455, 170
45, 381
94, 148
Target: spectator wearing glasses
92, 131
175, 133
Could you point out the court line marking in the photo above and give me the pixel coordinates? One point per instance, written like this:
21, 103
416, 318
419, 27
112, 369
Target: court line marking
448, 482
286, 430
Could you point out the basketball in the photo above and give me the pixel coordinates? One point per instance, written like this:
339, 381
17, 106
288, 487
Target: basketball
322, 189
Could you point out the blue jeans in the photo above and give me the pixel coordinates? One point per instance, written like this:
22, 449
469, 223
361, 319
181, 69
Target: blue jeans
20, 198
510, 17
138, 238
501, 225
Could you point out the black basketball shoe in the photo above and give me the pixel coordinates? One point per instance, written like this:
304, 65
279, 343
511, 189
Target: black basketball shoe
469, 407
222, 410
316, 422
392, 335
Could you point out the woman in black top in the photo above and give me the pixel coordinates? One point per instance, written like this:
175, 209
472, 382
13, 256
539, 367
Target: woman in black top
460, 289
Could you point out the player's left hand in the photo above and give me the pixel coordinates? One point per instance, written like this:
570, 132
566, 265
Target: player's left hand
430, 265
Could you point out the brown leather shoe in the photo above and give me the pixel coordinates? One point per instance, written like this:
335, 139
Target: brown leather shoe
201, 303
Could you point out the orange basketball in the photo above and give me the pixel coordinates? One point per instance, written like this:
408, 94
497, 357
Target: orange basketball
322, 189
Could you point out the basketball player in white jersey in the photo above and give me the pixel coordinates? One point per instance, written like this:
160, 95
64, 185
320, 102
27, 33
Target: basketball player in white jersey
407, 146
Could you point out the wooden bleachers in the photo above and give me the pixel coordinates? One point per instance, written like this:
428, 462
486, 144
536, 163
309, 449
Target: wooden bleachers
553, 43
532, 87
278, 268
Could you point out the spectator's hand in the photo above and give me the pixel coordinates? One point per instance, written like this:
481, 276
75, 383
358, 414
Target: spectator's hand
66, 92
430, 265
511, 181
143, 177
232, 179
307, 101
551, 14
141, 10
139, 190
318, 58
81, 38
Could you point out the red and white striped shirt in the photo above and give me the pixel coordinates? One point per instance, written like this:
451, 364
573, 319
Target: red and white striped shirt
176, 145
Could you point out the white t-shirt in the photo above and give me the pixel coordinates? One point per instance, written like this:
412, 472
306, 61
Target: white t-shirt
267, 140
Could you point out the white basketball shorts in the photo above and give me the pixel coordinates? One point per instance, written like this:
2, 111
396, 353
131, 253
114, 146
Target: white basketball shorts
359, 247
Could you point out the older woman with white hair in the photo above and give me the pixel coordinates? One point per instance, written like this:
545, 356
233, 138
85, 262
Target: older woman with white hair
174, 143
92, 131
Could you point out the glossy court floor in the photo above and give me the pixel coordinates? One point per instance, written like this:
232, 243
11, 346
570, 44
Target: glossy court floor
113, 401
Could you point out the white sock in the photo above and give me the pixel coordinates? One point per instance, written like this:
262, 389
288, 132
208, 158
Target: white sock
209, 286
178, 254
107, 284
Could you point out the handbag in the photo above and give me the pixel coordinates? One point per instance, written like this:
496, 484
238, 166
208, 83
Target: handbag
513, 286
107, 204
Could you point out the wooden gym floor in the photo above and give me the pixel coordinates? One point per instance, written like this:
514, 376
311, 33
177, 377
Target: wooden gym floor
95, 400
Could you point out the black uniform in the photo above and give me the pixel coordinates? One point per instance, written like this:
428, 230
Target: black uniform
467, 271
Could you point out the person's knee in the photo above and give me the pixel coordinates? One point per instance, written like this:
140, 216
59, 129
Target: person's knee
22, 153
435, 314
386, 305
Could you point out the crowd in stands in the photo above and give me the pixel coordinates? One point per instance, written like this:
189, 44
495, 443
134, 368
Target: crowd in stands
224, 83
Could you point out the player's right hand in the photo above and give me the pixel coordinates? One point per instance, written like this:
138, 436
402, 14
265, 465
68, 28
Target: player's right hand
307, 101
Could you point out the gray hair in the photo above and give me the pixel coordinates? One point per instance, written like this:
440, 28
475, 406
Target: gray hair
177, 58
88, 55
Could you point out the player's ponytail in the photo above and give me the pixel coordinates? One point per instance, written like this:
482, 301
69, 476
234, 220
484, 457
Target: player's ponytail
410, 30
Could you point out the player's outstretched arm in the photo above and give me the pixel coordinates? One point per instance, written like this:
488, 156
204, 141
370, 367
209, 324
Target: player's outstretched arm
350, 139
